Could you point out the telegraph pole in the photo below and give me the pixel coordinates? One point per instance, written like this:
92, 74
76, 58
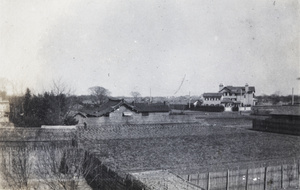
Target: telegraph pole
292, 96
189, 99
150, 96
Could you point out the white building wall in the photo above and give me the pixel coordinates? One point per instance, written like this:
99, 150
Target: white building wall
4, 110
212, 101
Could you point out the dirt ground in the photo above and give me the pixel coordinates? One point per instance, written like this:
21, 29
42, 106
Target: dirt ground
224, 143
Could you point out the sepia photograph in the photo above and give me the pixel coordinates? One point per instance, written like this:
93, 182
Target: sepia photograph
149, 95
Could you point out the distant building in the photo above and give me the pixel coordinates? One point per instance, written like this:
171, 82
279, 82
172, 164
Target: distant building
212, 98
119, 111
231, 96
237, 95
4, 110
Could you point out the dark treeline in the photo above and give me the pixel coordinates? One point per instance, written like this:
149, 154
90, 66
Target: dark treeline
275, 99
57, 107
43, 109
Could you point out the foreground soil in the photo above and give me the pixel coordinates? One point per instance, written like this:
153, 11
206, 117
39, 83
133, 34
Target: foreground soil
212, 147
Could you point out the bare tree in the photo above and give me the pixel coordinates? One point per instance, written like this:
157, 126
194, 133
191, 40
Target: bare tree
64, 168
99, 95
136, 95
16, 169
62, 92
47, 168
59, 87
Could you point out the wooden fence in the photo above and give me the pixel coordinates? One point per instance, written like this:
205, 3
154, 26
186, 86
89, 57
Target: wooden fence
262, 178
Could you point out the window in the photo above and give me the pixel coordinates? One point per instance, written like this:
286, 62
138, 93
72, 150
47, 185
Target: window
145, 114
127, 114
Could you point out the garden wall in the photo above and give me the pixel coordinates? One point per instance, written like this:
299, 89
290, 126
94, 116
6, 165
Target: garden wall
36, 134
208, 108
139, 119
269, 125
197, 108
102, 177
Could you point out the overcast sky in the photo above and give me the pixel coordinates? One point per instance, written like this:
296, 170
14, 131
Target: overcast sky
139, 45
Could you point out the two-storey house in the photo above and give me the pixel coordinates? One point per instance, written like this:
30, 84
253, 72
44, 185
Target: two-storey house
241, 96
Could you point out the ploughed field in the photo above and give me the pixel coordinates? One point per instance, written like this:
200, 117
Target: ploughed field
211, 147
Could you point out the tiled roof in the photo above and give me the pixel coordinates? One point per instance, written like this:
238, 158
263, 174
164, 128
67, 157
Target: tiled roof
212, 94
113, 104
237, 89
109, 106
151, 107
81, 114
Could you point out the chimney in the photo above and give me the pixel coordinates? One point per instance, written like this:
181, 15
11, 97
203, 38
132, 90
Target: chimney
246, 88
221, 86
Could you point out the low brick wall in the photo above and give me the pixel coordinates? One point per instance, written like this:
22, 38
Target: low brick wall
102, 177
36, 134
39, 140
153, 118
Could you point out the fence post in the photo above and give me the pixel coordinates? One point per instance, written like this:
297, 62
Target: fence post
208, 181
227, 180
247, 174
298, 174
265, 178
131, 185
282, 176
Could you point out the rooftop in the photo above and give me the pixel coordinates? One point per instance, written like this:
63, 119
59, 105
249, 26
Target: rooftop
112, 104
212, 94
105, 108
238, 89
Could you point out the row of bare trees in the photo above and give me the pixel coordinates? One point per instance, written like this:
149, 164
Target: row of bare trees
63, 168
100, 94
54, 107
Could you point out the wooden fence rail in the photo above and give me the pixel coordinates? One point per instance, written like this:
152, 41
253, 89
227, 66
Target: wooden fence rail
262, 178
